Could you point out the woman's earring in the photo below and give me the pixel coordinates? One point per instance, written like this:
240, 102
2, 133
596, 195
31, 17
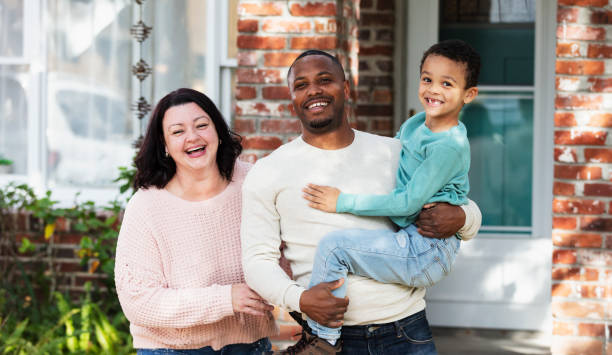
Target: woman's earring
166, 153
220, 142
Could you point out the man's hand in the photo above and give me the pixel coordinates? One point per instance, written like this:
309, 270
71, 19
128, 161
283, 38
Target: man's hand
323, 198
322, 306
440, 220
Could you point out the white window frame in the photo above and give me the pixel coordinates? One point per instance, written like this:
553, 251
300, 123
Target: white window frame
218, 79
425, 14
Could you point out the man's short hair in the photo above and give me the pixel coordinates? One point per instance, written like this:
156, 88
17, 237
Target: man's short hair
457, 51
317, 52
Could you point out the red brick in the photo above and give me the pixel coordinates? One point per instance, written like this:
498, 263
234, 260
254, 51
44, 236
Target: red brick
577, 172
571, 49
382, 96
580, 67
261, 8
601, 17
563, 188
382, 125
388, 5
313, 9
576, 240
598, 3
564, 256
326, 26
567, 14
580, 137
576, 346
259, 42
601, 84
374, 110
608, 244
245, 92
596, 224
562, 328
562, 290
376, 50
70, 267
268, 143
594, 257
276, 93
563, 119
244, 126
593, 291
598, 190
584, 102
576, 206
286, 26
281, 126
279, 59
568, 223
567, 83
577, 309
258, 76
68, 238
582, 33
375, 18
248, 25
247, 58
575, 274
565, 155
599, 51
320, 42
601, 120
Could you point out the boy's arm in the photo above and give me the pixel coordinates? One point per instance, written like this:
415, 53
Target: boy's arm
437, 170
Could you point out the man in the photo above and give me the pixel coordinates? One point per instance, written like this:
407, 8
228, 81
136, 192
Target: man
381, 318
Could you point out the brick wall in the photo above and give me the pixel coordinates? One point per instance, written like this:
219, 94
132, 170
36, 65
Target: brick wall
582, 227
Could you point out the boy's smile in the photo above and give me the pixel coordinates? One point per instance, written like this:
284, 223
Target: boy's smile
442, 91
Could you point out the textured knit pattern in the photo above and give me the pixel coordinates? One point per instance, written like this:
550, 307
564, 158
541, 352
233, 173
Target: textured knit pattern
176, 261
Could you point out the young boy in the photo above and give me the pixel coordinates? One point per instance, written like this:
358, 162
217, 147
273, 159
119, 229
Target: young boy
433, 167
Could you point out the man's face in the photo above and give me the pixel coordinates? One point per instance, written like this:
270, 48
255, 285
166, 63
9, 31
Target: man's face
318, 91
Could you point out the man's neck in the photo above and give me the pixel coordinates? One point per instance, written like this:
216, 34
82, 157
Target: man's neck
336, 139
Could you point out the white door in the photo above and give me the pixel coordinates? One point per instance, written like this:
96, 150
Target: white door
502, 279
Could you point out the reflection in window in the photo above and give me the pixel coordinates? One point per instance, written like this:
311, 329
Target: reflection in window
13, 118
11, 28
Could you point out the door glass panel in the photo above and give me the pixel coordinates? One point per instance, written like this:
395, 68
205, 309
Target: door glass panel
11, 28
500, 121
14, 118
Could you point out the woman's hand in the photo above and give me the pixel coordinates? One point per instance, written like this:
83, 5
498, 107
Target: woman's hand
245, 300
323, 198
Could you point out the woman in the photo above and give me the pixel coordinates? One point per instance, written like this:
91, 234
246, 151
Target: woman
178, 266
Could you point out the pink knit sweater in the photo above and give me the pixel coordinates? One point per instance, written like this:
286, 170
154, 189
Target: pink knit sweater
175, 264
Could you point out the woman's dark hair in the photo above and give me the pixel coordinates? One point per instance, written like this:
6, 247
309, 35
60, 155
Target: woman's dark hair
154, 168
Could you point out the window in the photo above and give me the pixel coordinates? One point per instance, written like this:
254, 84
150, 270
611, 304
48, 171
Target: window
500, 121
66, 86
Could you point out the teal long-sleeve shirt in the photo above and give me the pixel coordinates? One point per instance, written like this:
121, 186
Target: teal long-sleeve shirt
433, 167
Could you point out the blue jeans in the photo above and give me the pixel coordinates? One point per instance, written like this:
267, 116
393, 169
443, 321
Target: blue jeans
257, 348
410, 335
403, 257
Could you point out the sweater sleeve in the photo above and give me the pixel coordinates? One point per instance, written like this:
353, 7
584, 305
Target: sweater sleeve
436, 170
473, 221
261, 240
146, 298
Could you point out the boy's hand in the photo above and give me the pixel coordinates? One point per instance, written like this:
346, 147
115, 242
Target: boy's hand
323, 198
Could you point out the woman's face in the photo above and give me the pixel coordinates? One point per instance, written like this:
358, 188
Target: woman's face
191, 138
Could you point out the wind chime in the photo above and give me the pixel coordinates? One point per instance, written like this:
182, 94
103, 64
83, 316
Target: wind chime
141, 70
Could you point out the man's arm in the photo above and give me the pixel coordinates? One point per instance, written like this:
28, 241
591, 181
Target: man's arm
444, 220
260, 239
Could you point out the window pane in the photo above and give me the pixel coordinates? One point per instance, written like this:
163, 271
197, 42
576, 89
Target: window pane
500, 130
14, 118
90, 126
177, 45
11, 28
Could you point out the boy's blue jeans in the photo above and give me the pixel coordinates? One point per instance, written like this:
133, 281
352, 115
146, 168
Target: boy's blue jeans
403, 257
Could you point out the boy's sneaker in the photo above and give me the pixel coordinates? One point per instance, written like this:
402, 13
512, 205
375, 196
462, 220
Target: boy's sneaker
310, 344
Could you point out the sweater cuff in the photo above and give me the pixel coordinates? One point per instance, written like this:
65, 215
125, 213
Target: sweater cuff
292, 297
345, 202
227, 308
473, 221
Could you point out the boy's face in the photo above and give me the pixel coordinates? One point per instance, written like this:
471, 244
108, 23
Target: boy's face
442, 89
